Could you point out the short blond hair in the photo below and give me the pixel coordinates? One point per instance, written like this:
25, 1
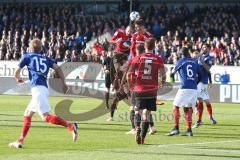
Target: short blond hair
35, 45
149, 43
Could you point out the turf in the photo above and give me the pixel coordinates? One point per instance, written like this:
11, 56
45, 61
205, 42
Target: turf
99, 139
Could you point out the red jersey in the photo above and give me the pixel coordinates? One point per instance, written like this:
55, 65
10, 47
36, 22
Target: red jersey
137, 39
122, 41
144, 71
97, 49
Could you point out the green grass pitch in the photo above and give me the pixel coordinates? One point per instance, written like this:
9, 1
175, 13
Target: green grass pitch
101, 140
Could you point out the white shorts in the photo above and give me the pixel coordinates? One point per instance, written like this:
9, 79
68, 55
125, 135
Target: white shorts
185, 98
203, 91
39, 102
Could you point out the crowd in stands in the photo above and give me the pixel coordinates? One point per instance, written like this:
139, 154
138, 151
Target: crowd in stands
65, 29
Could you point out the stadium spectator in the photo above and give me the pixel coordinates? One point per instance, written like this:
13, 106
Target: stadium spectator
63, 27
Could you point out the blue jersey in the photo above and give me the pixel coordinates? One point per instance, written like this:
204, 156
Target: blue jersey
188, 71
38, 68
209, 60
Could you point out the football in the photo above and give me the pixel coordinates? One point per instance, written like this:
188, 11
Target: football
134, 15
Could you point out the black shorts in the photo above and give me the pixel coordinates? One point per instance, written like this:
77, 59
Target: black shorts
120, 58
108, 81
146, 103
121, 95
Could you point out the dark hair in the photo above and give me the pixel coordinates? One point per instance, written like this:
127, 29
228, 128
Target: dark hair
140, 48
185, 51
139, 22
150, 43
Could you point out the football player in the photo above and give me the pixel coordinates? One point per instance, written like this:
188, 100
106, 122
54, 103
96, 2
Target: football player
186, 97
38, 67
143, 77
205, 62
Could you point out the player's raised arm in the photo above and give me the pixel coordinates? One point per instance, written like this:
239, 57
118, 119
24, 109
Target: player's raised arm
115, 38
59, 72
133, 45
207, 64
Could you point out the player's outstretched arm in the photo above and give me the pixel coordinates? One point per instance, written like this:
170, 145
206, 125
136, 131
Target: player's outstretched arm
59, 72
17, 75
115, 38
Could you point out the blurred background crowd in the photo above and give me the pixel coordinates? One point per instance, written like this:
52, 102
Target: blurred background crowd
65, 30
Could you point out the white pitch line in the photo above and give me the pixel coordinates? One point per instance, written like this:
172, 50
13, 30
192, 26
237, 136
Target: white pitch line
211, 150
200, 143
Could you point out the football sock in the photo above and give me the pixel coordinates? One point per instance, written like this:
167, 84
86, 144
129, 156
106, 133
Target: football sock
151, 123
176, 116
112, 112
113, 106
209, 109
107, 98
188, 118
56, 120
132, 115
25, 127
200, 110
145, 126
137, 120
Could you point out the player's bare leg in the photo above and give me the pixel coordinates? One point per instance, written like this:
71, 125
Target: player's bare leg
176, 117
25, 128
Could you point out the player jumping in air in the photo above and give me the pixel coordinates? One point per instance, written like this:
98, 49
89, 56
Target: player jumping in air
139, 37
38, 68
143, 81
204, 85
186, 97
121, 39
